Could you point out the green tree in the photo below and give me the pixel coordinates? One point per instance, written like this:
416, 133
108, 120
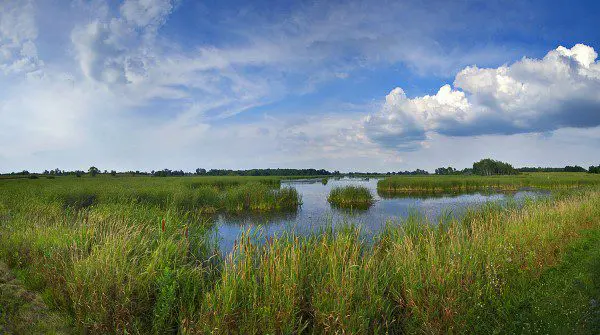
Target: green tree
93, 171
489, 167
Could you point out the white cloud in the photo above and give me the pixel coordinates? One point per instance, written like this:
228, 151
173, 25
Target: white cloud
18, 31
531, 95
146, 13
119, 49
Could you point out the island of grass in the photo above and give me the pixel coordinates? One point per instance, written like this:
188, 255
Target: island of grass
351, 197
430, 184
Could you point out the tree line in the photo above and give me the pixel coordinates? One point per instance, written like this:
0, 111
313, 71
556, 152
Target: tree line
484, 167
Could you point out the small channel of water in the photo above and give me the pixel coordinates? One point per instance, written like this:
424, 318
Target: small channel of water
317, 213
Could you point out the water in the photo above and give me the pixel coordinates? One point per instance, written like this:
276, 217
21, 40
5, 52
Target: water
317, 213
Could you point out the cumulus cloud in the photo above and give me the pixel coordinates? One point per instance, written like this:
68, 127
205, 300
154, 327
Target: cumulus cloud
18, 32
531, 95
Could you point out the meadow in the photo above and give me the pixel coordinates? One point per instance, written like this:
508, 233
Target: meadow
139, 259
465, 183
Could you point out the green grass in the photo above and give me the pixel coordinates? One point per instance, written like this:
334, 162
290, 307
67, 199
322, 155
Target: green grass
201, 195
23, 311
351, 197
138, 265
416, 278
439, 184
562, 300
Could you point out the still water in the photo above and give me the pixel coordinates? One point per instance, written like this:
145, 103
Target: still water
316, 213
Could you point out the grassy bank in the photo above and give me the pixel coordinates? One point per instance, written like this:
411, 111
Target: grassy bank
141, 268
200, 195
351, 197
440, 184
563, 300
24, 312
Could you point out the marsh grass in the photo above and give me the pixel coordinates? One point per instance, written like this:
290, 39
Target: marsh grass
417, 277
205, 195
125, 266
452, 184
351, 196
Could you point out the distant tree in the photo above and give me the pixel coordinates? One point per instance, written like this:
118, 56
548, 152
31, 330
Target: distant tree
594, 169
489, 167
446, 171
467, 171
113, 173
575, 168
93, 171
200, 171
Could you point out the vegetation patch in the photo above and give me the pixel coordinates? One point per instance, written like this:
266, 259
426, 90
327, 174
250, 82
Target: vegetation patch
452, 184
121, 266
351, 197
24, 312
200, 195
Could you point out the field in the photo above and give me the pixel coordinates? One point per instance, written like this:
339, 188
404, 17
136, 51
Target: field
459, 183
134, 255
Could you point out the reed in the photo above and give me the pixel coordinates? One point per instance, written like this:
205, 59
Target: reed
351, 197
417, 277
202, 195
121, 265
448, 184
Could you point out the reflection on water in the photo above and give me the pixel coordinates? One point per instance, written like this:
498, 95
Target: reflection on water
316, 212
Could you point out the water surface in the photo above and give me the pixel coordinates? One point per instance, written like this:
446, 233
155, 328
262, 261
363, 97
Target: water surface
316, 213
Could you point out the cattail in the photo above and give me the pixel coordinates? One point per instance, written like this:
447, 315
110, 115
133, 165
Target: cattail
186, 232
163, 225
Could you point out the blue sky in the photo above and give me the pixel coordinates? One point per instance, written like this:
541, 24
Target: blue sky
344, 85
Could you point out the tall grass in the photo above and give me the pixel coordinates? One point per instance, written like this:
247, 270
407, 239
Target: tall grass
351, 197
418, 277
203, 195
436, 184
140, 267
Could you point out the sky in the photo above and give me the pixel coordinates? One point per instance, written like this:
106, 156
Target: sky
340, 85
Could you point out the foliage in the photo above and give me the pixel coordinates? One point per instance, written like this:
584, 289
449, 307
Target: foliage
93, 171
575, 168
446, 171
567, 168
489, 167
